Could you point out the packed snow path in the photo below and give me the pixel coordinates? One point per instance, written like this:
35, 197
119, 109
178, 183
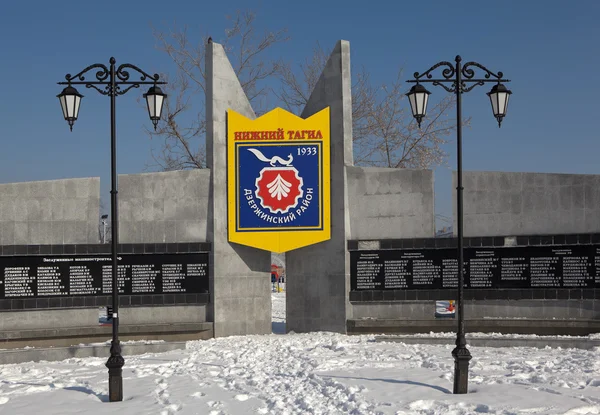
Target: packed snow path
318, 373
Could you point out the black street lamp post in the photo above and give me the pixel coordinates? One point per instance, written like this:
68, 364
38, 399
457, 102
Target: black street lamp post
108, 82
459, 79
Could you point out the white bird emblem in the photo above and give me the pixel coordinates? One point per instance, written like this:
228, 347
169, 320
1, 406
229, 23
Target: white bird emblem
275, 159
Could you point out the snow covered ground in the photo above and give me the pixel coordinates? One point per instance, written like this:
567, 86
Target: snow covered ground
318, 373
278, 312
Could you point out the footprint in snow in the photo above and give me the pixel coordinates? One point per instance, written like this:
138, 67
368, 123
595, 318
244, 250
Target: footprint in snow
198, 394
594, 382
214, 404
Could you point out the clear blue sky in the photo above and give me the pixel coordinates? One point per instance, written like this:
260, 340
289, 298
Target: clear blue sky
548, 49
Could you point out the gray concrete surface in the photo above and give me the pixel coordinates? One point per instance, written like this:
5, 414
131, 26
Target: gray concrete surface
15, 356
240, 282
507, 203
543, 317
65, 211
164, 207
492, 309
88, 317
540, 343
318, 276
163, 315
474, 324
37, 319
390, 203
147, 329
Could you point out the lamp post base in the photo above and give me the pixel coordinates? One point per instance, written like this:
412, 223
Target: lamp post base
462, 356
115, 365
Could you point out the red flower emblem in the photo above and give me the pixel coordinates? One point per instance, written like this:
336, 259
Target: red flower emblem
279, 188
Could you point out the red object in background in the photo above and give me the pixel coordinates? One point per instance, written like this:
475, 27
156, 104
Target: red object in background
451, 306
274, 272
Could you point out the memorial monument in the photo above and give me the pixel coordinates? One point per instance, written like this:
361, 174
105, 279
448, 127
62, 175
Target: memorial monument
361, 256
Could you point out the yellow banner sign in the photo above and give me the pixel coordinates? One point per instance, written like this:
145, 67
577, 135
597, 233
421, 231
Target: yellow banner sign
278, 180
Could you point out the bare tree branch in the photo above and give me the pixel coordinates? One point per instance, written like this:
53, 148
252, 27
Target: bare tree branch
182, 130
384, 132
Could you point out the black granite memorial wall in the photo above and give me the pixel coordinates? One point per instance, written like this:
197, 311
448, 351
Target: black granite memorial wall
535, 267
67, 276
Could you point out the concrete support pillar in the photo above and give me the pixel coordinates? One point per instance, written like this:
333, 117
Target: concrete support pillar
240, 282
318, 276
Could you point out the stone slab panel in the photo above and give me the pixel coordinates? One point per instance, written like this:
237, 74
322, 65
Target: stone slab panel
33, 212
390, 203
326, 265
237, 307
31, 320
88, 317
488, 309
162, 315
517, 203
164, 206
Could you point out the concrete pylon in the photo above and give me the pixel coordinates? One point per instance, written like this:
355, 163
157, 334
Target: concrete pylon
240, 282
318, 276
